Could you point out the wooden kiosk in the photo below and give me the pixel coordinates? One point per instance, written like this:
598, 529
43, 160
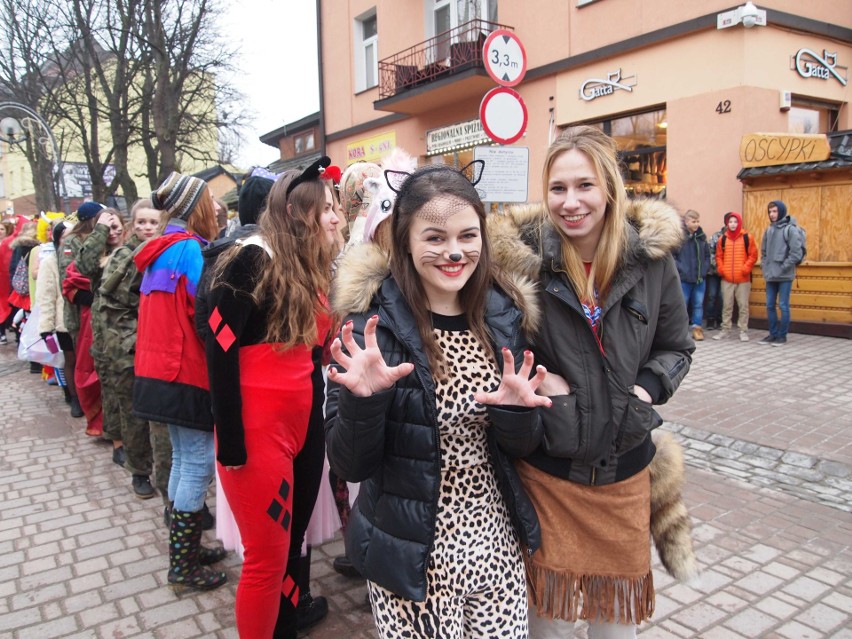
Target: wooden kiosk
817, 189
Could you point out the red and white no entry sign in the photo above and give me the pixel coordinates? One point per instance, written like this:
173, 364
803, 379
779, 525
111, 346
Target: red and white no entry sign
503, 115
505, 57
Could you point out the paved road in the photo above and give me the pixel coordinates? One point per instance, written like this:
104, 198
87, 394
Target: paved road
766, 433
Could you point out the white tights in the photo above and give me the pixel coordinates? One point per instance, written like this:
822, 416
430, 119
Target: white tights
541, 628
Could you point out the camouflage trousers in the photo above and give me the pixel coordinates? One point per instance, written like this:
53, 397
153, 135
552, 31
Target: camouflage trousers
119, 422
161, 445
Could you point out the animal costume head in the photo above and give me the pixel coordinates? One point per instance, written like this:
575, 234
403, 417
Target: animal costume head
383, 195
46, 222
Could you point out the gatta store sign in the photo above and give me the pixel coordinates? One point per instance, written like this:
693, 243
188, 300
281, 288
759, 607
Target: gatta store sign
771, 149
809, 64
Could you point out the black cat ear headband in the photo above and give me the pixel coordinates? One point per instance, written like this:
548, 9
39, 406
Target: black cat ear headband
472, 172
321, 169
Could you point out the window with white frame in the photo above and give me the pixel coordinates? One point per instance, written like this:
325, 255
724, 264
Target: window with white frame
443, 16
366, 51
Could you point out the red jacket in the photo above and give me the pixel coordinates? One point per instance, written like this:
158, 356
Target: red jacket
171, 368
733, 262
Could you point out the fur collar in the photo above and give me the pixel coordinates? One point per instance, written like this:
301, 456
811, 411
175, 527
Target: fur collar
520, 235
362, 269
24, 241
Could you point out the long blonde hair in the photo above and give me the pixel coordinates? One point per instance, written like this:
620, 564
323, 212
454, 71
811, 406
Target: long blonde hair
296, 280
601, 151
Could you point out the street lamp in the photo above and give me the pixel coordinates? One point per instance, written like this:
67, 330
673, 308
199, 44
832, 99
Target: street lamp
14, 131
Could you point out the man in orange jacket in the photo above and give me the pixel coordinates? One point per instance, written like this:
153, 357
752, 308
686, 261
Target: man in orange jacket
736, 255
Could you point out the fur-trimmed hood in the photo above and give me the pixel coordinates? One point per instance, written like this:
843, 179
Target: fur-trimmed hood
24, 241
656, 230
362, 269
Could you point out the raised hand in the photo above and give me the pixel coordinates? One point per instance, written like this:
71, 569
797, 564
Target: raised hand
517, 389
366, 370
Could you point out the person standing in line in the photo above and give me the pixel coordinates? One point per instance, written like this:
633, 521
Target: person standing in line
77, 233
268, 323
419, 413
713, 293
782, 250
615, 342
693, 260
93, 254
114, 322
171, 384
736, 255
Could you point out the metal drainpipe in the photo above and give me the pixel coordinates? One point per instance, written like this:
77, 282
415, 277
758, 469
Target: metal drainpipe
321, 78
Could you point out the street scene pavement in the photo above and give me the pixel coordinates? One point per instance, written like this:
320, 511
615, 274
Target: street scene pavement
767, 435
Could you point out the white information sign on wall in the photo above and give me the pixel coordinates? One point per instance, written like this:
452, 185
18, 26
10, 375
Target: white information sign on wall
505, 175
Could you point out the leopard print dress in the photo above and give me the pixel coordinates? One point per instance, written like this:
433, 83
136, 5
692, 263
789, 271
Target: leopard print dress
476, 585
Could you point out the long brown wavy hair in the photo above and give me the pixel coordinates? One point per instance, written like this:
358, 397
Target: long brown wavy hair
601, 151
420, 188
296, 280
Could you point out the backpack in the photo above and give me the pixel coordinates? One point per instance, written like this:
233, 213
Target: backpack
746, 240
21, 278
792, 227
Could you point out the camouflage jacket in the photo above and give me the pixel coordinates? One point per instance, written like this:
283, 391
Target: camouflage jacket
68, 253
117, 306
90, 263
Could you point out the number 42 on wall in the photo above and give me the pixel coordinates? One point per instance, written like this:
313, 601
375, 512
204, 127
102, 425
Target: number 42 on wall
723, 107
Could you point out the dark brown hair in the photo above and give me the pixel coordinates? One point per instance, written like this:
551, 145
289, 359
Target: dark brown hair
420, 188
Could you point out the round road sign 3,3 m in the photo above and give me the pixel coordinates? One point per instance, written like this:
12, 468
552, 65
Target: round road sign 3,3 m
505, 57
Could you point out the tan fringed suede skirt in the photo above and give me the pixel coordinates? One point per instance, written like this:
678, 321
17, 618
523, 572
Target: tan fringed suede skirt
595, 557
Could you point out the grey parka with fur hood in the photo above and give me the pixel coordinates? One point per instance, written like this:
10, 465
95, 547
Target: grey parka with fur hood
600, 432
389, 441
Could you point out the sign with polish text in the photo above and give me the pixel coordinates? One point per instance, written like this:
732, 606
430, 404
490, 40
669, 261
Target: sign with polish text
772, 149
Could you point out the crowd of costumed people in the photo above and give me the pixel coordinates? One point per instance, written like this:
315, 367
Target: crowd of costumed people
466, 394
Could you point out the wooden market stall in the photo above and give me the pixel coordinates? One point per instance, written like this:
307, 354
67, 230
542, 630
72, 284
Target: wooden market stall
818, 194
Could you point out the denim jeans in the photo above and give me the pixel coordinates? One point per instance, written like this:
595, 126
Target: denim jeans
193, 465
713, 299
780, 292
693, 295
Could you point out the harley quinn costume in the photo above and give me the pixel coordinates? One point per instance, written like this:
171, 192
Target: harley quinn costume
262, 398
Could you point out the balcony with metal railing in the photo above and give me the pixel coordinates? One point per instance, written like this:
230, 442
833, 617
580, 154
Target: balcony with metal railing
428, 74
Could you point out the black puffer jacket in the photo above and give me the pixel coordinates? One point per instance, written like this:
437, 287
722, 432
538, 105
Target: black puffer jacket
600, 432
389, 441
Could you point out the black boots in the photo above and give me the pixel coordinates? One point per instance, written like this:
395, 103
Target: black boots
187, 558
308, 610
76, 409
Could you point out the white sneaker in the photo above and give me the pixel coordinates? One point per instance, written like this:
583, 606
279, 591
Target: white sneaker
721, 334
743, 336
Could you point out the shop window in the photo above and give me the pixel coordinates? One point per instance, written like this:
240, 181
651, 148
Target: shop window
366, 54
641, 140
812, 116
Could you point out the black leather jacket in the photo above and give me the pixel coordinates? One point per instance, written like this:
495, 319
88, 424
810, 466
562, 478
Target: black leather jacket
389, 443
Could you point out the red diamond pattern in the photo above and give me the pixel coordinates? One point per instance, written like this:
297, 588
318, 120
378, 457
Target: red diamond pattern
225, 337
215, 319
290, 589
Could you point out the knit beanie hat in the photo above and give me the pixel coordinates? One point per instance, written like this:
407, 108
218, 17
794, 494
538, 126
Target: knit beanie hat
178, 195
88, 210
253, 194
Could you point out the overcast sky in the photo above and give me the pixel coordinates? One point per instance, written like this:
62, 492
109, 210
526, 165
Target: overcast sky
278, 66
